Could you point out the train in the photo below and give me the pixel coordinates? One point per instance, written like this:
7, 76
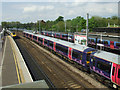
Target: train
105, 66
114, 45
11, 33
63, 36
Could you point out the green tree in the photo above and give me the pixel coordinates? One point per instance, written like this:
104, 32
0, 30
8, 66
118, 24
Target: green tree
60, 18
60, 26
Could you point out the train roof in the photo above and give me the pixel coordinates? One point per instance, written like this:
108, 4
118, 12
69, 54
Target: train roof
65, 43
108, 56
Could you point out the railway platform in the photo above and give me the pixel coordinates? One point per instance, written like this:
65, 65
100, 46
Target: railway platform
13, 70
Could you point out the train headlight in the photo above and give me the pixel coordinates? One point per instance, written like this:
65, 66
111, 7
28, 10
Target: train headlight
114, 86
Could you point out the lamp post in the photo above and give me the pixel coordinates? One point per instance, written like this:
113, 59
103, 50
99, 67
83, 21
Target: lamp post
65, 26
87, 28
39, 26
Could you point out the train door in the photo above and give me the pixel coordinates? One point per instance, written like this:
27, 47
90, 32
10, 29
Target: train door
55, 35
43, 41
32, 37
69, 53
37, 39
61, 36
112, 44
54, 46
116, 73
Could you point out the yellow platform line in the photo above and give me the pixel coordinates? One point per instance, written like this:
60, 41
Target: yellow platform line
17, 68
16, 64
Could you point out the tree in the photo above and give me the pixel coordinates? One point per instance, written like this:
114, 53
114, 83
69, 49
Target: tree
60, 26
60, 18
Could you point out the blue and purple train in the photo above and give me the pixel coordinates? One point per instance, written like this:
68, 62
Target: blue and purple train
103, 65
114, 45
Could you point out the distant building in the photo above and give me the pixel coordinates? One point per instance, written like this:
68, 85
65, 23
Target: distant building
107, 29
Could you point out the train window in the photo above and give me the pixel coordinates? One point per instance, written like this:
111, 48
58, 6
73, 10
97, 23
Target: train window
13, 33
57, 47
118, 73
104, 66
118, 44
93, 61
57, 35
65, 49
92, 40
88, 57
88, 39
35, 37
40, 39
106, 42
51, 44
45, 41
113, 71
71, 36
61, 48
99, 41
75, 54
81, 57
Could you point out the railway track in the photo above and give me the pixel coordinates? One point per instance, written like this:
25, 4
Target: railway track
35, 70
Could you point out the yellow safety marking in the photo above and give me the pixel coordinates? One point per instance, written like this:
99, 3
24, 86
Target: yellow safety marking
77, 87
17, 67
54, 74
49, 69
43, 63
71, 83
74, 85
22, 77
20, 70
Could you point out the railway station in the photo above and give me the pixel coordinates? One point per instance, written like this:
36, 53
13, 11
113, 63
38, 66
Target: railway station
21, 67
80, 49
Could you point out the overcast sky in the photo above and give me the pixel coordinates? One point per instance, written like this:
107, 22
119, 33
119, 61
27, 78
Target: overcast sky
29, 11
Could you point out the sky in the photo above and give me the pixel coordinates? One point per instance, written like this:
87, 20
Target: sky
33, 10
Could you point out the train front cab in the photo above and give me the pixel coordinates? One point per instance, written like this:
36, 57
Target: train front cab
115, 75
86, 57
13, 34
